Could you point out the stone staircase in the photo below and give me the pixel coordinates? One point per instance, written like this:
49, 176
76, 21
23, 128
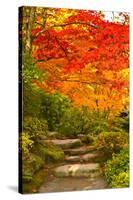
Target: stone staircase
81, 161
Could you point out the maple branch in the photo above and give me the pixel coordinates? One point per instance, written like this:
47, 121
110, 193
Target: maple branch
78, 81
47, 59
44, 60
67, 24
76, 23
63, 49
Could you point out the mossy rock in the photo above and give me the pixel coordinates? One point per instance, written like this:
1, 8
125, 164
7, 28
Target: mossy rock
48, 152
38, 163
54, 154
30, 166
39, 150
37, 179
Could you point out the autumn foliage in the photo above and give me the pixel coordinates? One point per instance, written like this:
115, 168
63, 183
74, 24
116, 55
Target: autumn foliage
84, 56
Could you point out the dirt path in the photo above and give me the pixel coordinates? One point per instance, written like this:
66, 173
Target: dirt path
72, 184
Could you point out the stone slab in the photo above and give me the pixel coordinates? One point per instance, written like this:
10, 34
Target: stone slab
77, 170
64, 144
81, 158
79, 151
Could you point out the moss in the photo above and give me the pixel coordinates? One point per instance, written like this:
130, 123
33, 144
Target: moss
48, 152
32, 177
30, 166
39, 150
54, 154
37, 163
36, 182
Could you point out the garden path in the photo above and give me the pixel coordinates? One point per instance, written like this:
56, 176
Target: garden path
80, 170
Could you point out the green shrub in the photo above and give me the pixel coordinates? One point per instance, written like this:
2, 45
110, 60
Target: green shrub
25, 144
83, 121
73, 123
32, 96
117, 169
87, 138
98, 122
30, 71
121, 123
35, 127
111, 142
32, 101
54, 107
121, 180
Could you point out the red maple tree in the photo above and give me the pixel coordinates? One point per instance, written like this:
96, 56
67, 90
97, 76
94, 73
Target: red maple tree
84, 49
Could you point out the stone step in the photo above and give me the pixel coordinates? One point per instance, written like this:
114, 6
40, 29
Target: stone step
78, 170
64, 144
79, 151
82, 158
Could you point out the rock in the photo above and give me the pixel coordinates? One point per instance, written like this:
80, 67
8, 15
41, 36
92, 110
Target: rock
43, 137
64, 144
80, 136
96, 183
82, 158
77, 170
53, 134
72, 158
79, 151
89, 156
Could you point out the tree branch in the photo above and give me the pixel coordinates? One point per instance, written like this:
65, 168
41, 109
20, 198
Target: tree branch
67, 24
78, 81
63, 49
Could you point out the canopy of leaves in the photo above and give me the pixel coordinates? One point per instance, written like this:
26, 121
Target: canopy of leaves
82, 55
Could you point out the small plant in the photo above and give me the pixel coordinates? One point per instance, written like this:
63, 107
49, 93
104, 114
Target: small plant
35, 127
54, 106
121, 180
26, 144
73, 123
111, 142
98, 122
117, 169
121, 123
87, 138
